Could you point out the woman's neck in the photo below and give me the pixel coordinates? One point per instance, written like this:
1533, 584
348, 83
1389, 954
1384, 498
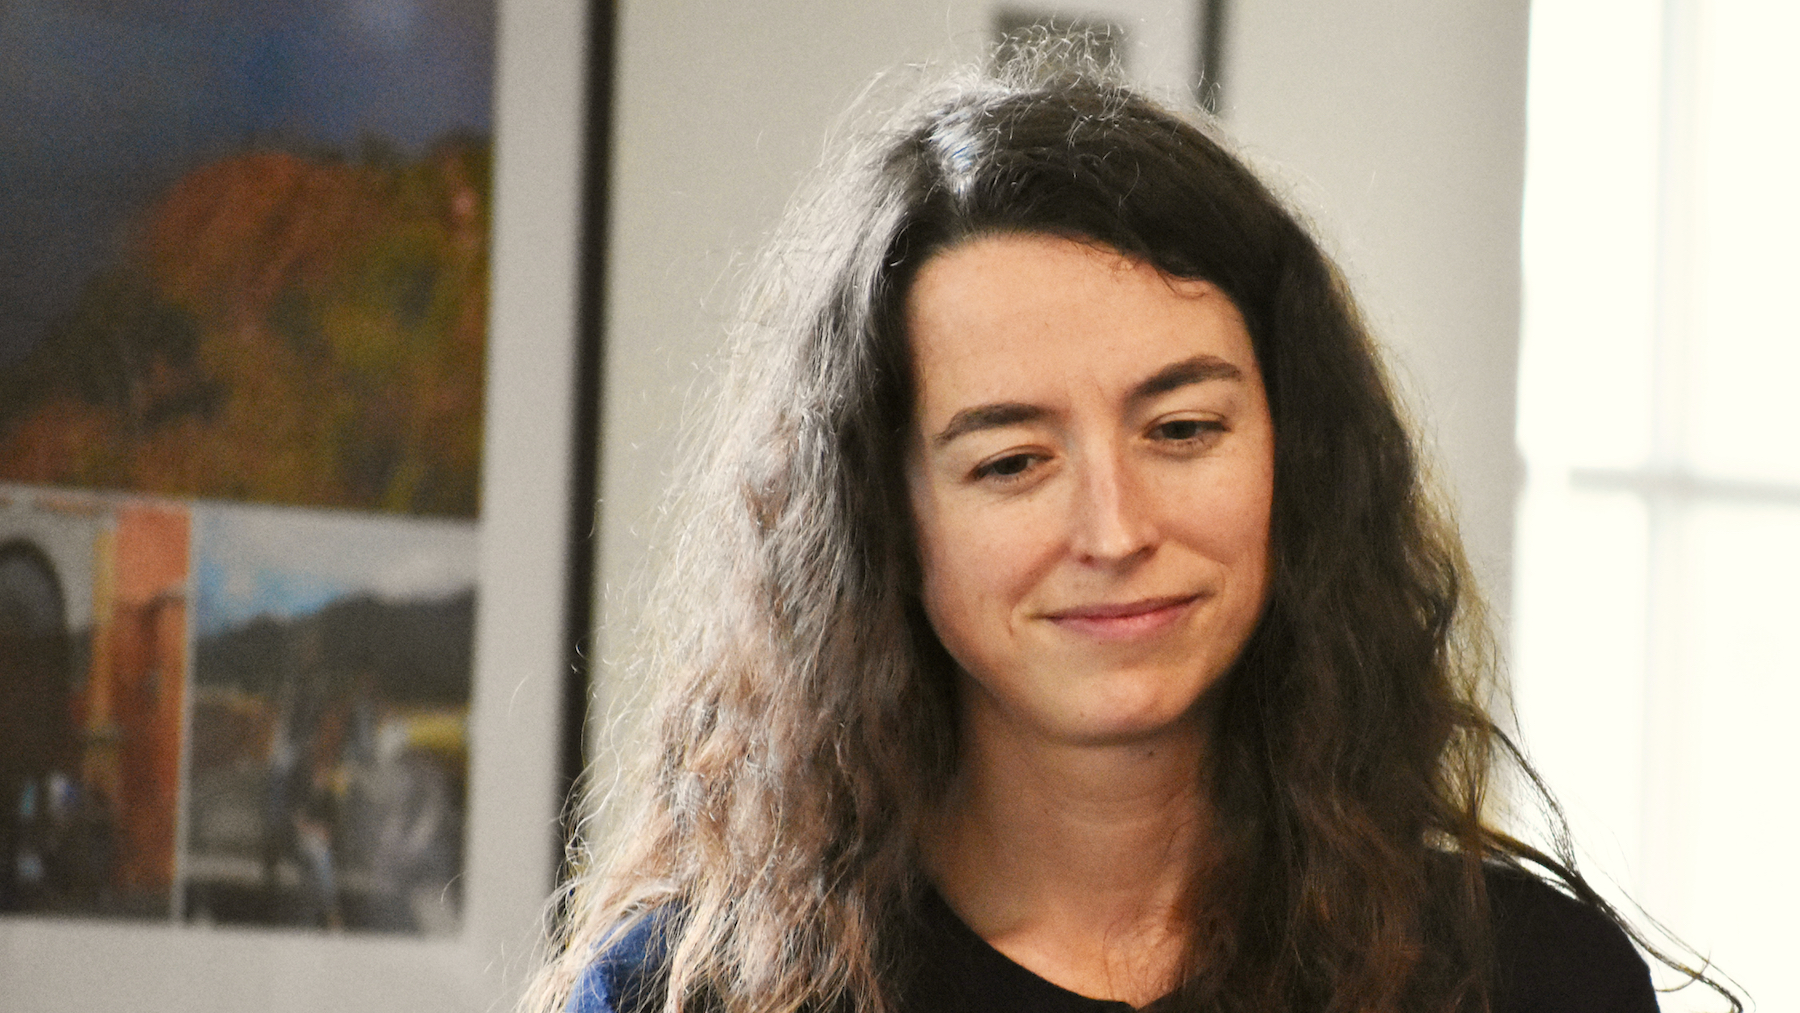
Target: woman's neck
1075, 859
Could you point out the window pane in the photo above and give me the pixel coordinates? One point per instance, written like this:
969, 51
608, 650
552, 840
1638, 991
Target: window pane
1590, 231
1578, 659
1739, 893
1745, 351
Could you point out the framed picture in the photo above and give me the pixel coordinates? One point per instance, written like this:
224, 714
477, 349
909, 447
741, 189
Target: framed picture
1175, 47
298, 371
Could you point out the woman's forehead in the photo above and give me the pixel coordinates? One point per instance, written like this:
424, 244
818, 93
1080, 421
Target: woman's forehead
1030, 313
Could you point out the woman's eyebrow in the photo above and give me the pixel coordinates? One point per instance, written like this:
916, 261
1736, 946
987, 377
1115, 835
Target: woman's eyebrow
1174, 376
1177, 375
987, 416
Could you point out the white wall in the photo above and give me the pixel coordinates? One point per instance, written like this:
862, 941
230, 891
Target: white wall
1403, 119
1402, 122
719, 109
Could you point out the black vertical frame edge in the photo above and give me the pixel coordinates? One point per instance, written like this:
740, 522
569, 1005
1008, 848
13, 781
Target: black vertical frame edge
1214, 15
584, 473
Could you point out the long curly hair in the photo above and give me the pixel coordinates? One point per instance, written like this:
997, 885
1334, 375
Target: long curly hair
804, 729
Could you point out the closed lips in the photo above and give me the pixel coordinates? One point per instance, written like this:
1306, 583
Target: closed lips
1125, 610
1126, 620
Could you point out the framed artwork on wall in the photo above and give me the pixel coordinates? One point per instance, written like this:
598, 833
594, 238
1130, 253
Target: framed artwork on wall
1174, 47
298, 362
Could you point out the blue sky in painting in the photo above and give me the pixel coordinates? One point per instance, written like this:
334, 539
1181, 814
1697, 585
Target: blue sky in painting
106, 102
287, 563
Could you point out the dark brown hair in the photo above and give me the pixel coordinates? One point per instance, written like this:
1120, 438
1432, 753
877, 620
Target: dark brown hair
806, 724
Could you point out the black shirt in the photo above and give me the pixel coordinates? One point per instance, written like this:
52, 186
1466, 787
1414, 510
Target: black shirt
1553, 955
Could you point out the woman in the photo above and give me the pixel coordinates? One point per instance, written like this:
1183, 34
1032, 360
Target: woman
1058, 620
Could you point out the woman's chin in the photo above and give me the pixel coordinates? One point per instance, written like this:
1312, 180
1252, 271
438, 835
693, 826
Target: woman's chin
1126, 723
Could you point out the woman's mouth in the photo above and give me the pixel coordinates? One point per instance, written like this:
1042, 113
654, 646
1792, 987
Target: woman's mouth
1123, 620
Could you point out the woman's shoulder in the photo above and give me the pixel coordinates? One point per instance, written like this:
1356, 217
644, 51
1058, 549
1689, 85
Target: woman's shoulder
630, 974
1554, 952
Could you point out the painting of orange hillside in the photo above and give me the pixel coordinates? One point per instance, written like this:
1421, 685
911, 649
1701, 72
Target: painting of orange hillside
276, 327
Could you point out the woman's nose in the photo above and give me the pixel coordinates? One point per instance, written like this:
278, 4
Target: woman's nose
1110, 519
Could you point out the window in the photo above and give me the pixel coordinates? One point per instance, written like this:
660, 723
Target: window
1656, 650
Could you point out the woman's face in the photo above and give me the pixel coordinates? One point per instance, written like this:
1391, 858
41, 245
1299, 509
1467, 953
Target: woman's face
1090, 474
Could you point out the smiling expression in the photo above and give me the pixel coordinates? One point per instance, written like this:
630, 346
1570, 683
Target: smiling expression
1090, 477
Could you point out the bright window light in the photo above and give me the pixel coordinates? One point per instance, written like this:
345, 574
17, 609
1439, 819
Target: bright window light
1656, 665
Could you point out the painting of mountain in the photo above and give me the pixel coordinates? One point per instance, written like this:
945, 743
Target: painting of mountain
244, 249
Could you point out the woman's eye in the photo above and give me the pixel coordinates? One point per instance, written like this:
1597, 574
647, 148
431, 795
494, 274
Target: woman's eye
1185, 430
1009, 466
